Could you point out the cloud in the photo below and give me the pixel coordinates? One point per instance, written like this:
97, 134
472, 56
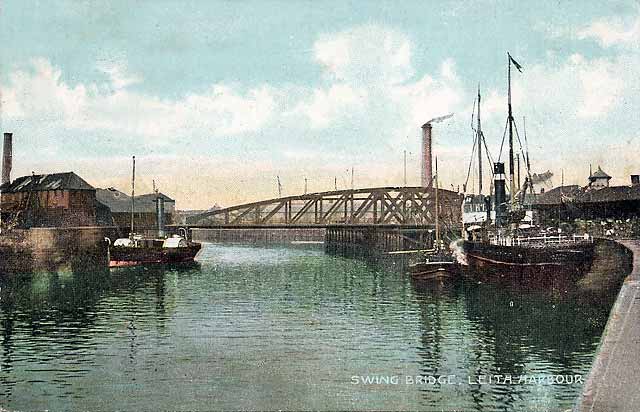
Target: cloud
366, 101
367, 72
364, 110
118, 74
39, 94
327, 105
613, 31
372, 85
578, 109
365, 55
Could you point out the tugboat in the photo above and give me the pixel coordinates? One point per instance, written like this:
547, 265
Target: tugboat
138, 250
504, 243
438, 263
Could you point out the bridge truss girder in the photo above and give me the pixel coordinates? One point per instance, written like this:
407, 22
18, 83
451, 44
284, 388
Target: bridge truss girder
380, 206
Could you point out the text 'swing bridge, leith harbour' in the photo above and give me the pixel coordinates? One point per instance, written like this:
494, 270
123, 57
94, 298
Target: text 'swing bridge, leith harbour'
374, 206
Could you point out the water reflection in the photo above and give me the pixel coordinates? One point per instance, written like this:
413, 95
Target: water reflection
492, 331
247, 323
50, 321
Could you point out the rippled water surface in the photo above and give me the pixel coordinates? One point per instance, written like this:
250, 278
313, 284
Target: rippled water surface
284, 328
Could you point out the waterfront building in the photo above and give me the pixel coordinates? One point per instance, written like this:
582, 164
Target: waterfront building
596, 202
49, 200
145, 216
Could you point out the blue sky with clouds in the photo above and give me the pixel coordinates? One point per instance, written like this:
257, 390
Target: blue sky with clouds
216, 98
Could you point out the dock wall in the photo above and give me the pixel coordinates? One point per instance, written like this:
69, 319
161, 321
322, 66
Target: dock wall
54, 249
612, 384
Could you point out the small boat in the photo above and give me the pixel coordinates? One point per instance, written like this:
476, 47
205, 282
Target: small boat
137, 250
435, 266
436, 263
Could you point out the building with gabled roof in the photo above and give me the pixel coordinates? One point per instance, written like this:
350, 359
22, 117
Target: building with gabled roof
48, 200
145, 216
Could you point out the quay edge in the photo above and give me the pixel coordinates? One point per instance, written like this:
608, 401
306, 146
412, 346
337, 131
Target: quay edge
615, 372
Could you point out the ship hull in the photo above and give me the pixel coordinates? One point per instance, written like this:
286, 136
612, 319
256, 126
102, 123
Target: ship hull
123, 256
432, 270
541, 264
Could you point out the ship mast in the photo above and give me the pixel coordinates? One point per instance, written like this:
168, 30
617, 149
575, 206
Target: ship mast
437, 210
479, 141
133, 193
510, 120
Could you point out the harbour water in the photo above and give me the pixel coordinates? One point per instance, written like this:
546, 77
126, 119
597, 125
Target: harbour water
288, 328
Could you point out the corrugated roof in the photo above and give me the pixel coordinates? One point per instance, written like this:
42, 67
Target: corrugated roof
611, 194
54, 181
558, 195
578, 194
120, 202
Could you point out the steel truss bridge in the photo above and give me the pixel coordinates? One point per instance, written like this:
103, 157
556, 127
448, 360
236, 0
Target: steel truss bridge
373, 206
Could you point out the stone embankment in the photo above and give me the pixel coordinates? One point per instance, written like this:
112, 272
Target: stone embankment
613, 381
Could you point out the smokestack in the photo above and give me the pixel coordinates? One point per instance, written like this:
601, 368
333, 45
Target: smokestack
7, 151
500, 199
426, 155
160, 214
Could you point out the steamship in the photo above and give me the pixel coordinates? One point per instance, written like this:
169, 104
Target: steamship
504, 241
138, 250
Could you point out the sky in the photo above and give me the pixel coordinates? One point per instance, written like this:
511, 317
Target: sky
217, 98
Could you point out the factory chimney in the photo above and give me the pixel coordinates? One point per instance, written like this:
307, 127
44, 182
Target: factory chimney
426, 155
6, 158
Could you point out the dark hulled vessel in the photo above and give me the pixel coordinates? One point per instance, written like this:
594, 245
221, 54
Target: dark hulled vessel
138, 250
505, 243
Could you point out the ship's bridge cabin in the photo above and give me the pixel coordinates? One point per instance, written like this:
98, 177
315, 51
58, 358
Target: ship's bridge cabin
475, 209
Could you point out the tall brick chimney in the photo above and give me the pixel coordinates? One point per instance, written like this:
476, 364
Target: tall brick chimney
426, 155
6, 158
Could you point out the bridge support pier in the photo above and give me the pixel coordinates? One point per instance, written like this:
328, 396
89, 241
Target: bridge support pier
372, 240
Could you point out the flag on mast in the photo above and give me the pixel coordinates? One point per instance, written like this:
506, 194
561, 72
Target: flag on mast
515, 63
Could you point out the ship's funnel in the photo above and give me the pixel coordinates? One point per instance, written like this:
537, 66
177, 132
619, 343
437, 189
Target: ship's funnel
7, 154
500, 198
426, 155
160, 215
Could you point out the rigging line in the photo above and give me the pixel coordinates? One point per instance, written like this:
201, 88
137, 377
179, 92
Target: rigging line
473, 150
526, 166
526, 143
520, 144
486, 149
471, 161
473, 111
504, 134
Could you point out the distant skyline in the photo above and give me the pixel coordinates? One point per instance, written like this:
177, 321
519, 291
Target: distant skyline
217, 98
